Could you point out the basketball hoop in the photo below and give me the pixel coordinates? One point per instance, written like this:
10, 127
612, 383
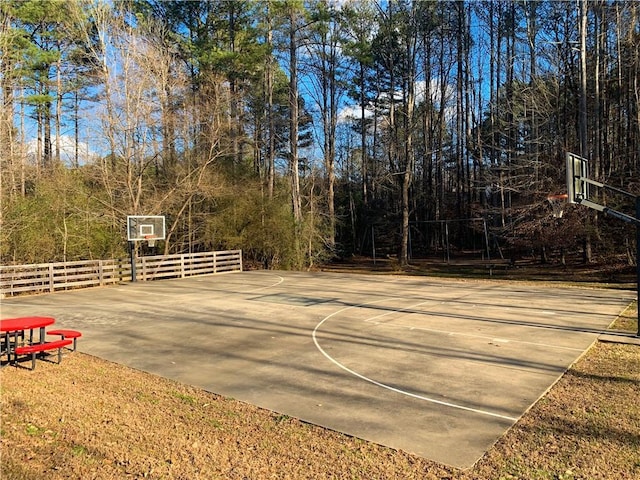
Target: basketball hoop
557, 204
151, 240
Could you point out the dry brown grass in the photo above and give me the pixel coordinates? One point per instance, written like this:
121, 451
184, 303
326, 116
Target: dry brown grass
91, 419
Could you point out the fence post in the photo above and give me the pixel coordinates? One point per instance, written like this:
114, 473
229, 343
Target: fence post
51, 286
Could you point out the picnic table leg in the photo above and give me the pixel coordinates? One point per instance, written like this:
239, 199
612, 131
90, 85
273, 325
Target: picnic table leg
11, 346
7, 347
41, 339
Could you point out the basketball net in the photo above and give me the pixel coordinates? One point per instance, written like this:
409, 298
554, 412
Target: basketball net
557, 204
151, 240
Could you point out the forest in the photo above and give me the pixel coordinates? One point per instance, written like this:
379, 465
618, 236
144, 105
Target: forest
302, 131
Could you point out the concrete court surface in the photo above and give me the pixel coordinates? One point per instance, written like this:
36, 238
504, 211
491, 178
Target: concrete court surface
437, 368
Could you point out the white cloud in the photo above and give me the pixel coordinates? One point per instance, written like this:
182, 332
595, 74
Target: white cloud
67, 150
353, 112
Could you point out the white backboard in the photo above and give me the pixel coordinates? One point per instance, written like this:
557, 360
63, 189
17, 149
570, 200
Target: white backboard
145, 227
577, 173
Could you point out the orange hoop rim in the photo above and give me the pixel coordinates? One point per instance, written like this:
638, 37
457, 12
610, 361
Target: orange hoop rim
558, 196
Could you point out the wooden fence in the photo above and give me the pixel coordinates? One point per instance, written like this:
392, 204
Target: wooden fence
50, 277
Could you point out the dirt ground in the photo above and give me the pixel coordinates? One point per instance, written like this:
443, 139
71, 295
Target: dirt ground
90, 419
610, 274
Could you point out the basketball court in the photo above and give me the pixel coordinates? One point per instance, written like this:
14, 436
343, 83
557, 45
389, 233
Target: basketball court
437, 368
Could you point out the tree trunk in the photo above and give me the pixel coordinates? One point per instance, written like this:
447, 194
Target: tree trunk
271, 140
408, 127
583, 114
583, 79
293, 121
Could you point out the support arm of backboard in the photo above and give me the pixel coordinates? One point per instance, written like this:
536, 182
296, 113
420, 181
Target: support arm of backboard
608, 187
611, 212
629, 219
578, 182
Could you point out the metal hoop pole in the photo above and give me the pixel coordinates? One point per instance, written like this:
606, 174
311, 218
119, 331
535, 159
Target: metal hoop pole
132, 252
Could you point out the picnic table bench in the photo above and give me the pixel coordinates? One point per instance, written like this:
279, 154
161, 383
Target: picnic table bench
67, 334
36, 348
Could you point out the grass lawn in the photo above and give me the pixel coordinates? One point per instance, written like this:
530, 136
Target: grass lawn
91, 419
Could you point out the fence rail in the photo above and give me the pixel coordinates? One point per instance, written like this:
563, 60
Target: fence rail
50, 277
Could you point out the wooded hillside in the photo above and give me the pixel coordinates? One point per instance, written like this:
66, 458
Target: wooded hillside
303, 130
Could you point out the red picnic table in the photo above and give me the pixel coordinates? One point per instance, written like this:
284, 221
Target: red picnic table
16, 328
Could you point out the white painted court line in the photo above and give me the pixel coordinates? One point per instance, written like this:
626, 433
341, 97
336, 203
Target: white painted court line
459, 334
484, 337
389, 387
266, 287
279, 278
